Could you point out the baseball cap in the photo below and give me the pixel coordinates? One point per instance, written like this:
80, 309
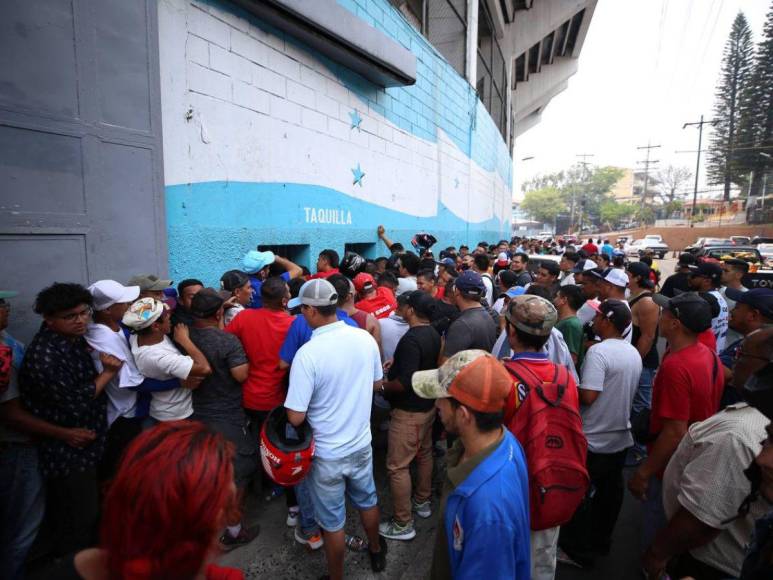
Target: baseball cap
364, 282
205, 303
532, 314
142, 313
759, 298
584, 266
616, 311
421, 302
689, 308
149, 283
233, 279
639, 269
472, 377
514, 291
613, 276
317, 292
254, 261
8, 294
502, 259
686, 259
448, 261
707, 270
470, 283
109, 292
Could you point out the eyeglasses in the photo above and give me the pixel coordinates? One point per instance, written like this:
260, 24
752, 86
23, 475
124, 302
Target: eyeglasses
73, 316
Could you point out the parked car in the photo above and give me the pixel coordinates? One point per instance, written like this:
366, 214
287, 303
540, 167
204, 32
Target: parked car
766, 251
656, 237
741, 240
638, 247
756, 240
700, 243
623, 239
727, 252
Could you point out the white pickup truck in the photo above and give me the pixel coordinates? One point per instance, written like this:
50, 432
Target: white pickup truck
638, 247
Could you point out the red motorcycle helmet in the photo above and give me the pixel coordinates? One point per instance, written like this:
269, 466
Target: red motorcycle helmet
285, 451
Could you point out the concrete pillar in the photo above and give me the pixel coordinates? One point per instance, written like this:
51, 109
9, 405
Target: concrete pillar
472, 42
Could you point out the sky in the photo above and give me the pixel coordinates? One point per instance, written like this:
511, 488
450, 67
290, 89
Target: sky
646, 68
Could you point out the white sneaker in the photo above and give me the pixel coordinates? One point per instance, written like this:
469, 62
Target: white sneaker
394, 531
313, 541
293, 517
422, 509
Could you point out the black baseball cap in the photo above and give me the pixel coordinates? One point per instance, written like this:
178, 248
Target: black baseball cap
421, 302
643, 270
205, 303
233, 279
686, 259
616, 311
710, 270
470, 283
689, 308
759, 298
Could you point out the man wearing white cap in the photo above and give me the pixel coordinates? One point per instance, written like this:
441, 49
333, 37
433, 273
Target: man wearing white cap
332, 380
104, 334
611, 284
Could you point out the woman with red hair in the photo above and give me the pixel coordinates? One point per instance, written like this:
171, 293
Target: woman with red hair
164, 510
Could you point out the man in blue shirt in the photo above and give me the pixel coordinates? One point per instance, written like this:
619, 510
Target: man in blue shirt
256, 264
607, 249
485, 503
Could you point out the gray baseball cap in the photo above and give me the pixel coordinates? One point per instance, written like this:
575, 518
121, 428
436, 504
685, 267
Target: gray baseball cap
316, 292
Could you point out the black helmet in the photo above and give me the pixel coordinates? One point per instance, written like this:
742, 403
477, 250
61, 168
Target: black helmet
423, 241
352, 264
285, 451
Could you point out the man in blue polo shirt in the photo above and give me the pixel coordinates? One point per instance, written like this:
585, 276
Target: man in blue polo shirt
256, 264
484, 529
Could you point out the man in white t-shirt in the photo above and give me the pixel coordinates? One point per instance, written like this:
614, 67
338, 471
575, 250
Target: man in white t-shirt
157, 357
610, 377
707, 277
104, 334
332, 380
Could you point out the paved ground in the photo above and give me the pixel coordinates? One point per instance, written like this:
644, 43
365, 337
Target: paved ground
276, 555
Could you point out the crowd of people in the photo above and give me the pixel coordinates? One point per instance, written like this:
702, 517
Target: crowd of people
134, 423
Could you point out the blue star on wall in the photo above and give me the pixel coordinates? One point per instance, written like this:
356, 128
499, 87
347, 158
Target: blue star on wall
358, 175
356, 119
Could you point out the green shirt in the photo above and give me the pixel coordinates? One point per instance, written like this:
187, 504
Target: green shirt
571, 328
456, 473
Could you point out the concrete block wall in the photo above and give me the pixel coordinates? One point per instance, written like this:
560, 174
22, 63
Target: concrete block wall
266, 142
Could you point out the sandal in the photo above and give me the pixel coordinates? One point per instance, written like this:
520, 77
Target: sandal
356, 543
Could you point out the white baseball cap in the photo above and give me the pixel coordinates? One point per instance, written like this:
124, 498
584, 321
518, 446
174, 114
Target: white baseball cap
109, 292
614, 276
317, 292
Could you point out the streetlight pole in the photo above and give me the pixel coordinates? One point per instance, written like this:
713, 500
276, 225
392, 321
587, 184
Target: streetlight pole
697, 165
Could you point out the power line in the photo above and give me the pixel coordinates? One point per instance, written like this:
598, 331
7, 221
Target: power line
647, 163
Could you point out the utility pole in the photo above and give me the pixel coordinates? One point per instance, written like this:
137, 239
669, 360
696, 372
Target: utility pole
647, 163
700, 125
584, 163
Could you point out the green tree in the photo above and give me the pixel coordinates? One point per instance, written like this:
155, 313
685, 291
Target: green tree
756, 124
543, 204
724, 166
612, 213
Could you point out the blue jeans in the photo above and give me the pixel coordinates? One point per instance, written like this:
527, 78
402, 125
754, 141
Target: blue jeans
331, 481
654, 514
306, 505
22, 503
643, 397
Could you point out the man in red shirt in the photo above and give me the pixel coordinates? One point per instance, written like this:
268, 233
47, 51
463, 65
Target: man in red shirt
590, 248
327, 264
377, 300
262, 332
687, 389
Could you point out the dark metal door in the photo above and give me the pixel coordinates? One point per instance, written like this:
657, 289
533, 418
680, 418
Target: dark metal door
81, 182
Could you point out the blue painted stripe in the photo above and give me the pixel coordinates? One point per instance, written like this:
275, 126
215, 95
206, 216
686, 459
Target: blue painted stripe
212, 224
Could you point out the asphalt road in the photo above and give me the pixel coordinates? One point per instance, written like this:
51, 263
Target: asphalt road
275, 554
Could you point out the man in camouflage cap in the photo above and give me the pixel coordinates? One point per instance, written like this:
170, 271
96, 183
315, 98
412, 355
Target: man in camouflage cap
529, 322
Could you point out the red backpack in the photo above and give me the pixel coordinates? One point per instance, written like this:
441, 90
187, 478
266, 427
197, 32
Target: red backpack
549, 428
